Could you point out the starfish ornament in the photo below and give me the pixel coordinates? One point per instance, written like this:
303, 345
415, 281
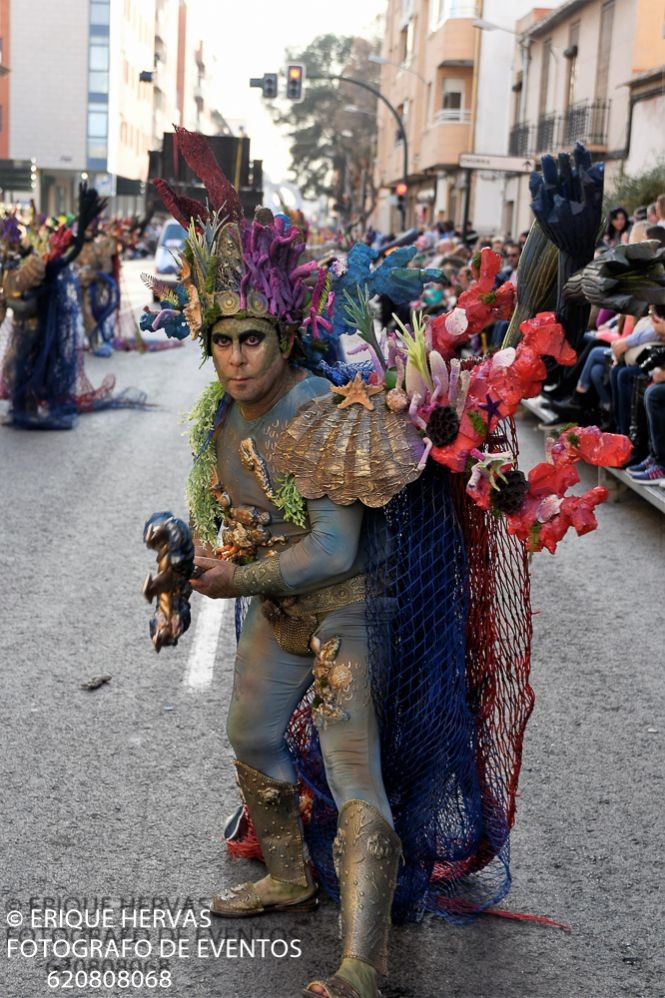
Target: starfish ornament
491, 407
357, 392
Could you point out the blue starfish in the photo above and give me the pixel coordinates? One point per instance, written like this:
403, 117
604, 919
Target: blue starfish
492, 408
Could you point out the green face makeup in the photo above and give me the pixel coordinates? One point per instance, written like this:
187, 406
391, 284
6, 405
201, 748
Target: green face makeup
247, 357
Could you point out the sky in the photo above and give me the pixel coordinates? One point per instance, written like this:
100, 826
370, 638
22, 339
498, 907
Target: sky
253, 37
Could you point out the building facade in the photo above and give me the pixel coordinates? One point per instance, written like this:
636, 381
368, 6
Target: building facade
511, 81
109, 78
429, 54
593, 73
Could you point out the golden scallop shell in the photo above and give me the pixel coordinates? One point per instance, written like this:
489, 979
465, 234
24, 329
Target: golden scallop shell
257, 304
228, 302
349, 454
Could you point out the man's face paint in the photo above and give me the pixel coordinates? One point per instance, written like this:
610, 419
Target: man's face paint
247, 358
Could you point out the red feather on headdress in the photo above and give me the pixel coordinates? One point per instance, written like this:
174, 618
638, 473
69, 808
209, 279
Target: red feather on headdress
183, 209
200, 158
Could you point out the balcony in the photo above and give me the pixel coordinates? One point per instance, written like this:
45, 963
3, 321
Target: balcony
458, 115
519, 143
547, 133
586, 122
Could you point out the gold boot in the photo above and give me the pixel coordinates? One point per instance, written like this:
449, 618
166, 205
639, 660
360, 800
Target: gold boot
273, 807
367, 854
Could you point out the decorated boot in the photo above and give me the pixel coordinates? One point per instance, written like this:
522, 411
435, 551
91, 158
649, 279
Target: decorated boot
367, 853
273, 806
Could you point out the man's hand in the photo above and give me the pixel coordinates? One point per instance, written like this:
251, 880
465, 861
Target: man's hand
619, 348
216, 580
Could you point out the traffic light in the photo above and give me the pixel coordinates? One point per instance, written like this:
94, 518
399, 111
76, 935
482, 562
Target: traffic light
401, 190
269, 87
295, 77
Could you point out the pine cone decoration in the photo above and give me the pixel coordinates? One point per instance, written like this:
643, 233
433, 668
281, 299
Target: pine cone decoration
443, 426
509, 495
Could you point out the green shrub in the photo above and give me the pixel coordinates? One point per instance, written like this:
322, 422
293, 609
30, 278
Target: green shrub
642, 189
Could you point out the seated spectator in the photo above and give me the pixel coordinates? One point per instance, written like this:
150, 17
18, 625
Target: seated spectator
652, 214
617, 229
626, 353
652, 469
660, 209
656, 232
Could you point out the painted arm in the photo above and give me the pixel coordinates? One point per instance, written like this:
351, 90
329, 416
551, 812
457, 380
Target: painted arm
326, 553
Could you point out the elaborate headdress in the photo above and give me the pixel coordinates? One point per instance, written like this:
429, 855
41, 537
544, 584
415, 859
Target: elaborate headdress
233, 268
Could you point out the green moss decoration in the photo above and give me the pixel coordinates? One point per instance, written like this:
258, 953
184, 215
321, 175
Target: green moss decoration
478, 423
211, 275
203, 510
291, 503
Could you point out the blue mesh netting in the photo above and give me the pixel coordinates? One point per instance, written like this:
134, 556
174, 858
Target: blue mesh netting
449, 628
42, 368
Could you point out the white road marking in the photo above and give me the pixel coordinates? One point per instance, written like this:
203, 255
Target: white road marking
201, 662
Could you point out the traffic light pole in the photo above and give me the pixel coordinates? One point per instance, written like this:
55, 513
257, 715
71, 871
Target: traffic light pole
395, 113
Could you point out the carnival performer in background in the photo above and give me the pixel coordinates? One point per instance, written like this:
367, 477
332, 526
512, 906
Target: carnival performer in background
383, 659
43, 374
97, 268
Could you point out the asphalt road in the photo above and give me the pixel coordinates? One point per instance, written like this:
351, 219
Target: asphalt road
115, 799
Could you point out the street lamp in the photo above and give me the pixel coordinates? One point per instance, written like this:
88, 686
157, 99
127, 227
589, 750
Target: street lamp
381, 61
484, 25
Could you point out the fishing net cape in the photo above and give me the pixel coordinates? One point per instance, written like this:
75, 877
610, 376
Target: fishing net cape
449, 627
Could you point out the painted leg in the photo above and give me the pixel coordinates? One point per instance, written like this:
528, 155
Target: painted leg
268, 685
366, 849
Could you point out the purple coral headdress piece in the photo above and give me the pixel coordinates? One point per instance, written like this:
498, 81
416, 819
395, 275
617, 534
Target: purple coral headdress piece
232, 267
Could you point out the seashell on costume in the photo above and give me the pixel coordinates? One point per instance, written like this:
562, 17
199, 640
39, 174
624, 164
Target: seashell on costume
349, 454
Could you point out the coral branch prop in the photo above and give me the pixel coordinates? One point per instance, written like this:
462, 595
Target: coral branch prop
537, 510
200, 158
477, 307
182, 208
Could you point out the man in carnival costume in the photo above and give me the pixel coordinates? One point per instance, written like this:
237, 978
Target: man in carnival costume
382, 665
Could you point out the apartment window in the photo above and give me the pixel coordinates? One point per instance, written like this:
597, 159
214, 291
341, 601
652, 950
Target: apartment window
97, 121
604, 47
546, 55
98, 83
406, 41
403, 112
442, 10
99, 58
100, 12
571, 55
452, 99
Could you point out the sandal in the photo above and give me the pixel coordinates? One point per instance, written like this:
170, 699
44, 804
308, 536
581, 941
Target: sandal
244, 901
336, 987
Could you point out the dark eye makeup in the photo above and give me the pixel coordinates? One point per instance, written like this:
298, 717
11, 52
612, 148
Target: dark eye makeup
252, 338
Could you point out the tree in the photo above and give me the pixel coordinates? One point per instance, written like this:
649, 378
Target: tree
333, 129
640, 189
